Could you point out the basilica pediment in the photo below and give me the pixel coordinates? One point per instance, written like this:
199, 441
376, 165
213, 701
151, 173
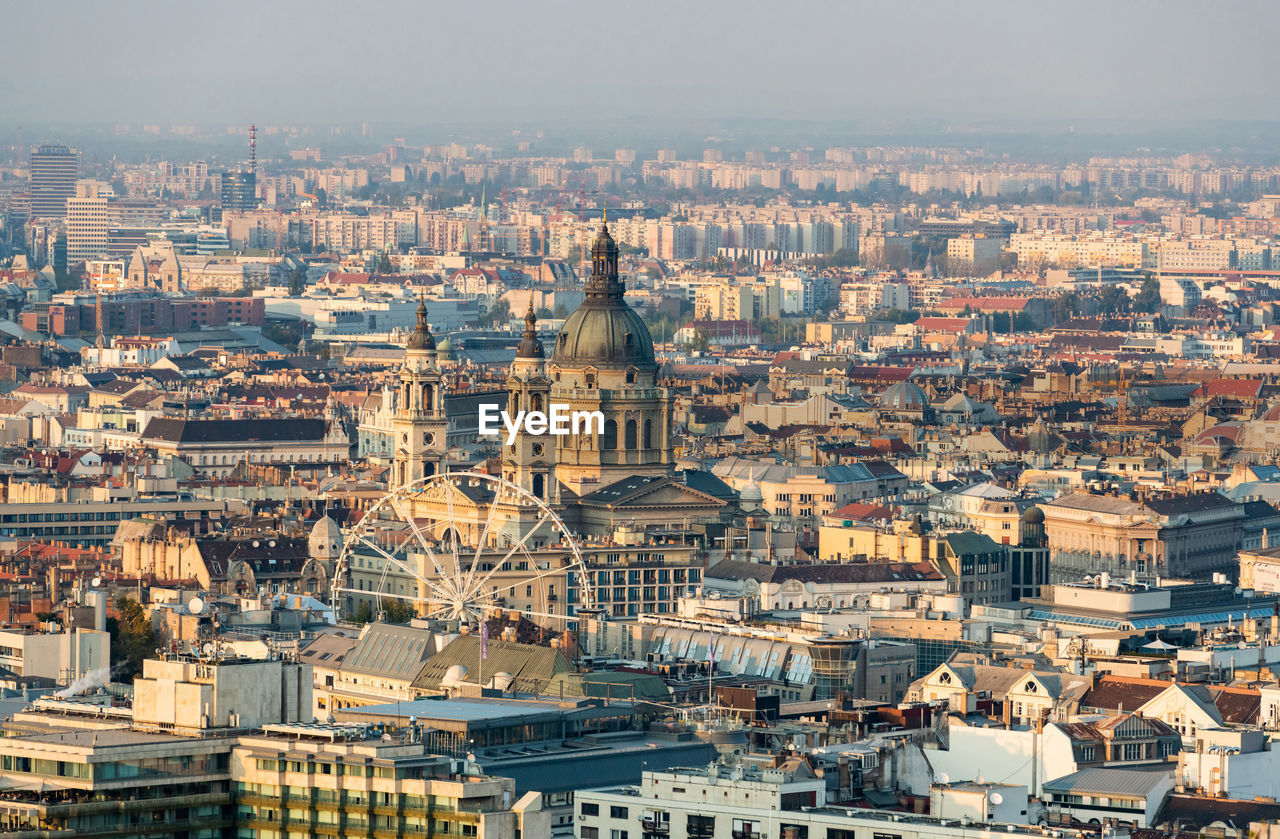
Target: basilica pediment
650, 491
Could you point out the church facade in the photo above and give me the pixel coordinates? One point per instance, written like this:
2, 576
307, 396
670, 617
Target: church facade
617, 488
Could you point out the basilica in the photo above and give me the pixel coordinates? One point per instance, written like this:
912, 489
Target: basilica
602, 360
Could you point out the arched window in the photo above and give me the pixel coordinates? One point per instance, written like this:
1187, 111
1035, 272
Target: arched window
648, 434
631, 377
538, 486
631, 435
537, 402
610, 436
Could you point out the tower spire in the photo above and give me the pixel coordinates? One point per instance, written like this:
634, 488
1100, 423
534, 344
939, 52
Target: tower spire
421, 339
604, 281
530, 346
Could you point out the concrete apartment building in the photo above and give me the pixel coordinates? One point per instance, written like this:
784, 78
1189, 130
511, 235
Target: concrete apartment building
973, 255
218, 747
1039, 249
54, 171
87, 222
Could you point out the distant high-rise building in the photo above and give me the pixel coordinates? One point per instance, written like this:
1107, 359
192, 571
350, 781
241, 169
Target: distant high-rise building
87, 223
239, 190
54, 171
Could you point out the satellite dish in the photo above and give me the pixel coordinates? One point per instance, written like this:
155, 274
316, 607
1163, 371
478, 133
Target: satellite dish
96, 582
195, 605
942, 778
208, 649
996, 798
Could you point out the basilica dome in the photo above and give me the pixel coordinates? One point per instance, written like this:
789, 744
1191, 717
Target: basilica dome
604, 331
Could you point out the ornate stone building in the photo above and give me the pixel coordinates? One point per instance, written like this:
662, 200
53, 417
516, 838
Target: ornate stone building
603, 361
530, 461
420, 427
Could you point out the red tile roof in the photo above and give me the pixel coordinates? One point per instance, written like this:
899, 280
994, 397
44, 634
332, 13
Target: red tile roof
1230, 389
956, 325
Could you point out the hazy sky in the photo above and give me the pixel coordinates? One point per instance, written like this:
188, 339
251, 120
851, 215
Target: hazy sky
433, 62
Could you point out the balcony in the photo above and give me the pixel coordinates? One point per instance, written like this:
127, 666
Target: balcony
653, 826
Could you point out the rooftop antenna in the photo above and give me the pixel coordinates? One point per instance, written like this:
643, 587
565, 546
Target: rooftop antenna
253, 148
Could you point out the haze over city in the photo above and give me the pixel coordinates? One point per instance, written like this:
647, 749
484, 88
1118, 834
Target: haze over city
492, 62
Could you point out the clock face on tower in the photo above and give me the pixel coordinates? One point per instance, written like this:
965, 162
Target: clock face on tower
537, 450
428, 438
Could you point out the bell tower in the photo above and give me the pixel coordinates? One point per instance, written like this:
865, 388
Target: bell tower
419, 427
530, 461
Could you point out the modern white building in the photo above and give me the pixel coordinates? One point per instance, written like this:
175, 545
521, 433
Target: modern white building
783, 800
63, 657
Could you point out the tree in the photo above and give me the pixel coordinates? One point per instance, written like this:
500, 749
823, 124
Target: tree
364, 613
770, 330
397, 611
384, 264
132, 638
1148, 298
1066, 306
1114, 300
1023, 322
297, 281
499, 314
701, 341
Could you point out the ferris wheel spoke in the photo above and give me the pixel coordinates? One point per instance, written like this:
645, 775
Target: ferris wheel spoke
404, 566
497, 565
484, 535
455, 586
423, 542
453, 527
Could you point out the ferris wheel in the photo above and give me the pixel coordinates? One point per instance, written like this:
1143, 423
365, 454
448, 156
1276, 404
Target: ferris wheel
459, 545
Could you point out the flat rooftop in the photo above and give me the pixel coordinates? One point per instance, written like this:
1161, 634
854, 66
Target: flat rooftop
462, 710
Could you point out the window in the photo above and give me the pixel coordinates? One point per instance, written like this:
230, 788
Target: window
589, 809
589, 832
617, 834
617, 812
